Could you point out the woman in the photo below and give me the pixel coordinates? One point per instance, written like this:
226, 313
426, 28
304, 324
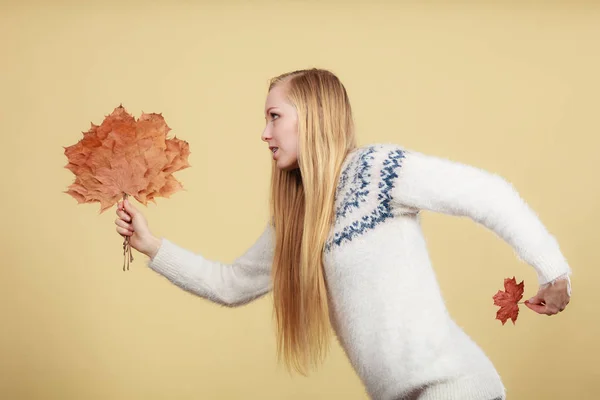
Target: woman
344, 247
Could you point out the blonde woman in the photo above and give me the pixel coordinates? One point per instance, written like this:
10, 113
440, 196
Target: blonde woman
343, 249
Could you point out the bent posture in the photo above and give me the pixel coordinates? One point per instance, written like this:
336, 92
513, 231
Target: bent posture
344, 249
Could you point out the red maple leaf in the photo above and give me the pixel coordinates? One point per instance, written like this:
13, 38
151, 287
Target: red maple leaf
509, 300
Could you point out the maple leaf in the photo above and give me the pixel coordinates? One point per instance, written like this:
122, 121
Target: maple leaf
123, 157
509, 300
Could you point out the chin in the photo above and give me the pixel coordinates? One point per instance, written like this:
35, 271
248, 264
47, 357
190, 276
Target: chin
287, 166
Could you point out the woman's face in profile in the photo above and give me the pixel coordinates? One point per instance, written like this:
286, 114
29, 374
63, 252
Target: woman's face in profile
281, 130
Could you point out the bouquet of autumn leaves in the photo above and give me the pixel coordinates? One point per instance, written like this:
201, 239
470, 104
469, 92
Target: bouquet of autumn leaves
123, 157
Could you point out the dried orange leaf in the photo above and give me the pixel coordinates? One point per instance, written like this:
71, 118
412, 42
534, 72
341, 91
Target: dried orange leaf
123, 156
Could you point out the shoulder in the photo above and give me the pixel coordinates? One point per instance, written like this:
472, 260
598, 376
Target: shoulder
382, 156
372, 169
381, 150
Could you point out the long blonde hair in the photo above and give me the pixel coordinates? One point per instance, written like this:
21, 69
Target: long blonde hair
302, 211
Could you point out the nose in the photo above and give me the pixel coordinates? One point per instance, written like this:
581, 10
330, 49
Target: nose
266, 135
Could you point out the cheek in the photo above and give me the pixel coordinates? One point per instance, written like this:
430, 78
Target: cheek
291, 132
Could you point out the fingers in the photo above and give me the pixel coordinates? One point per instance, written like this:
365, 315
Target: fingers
563, 304
128, 217
537, 299
542, 309
567, 301
123, 224
129, 208
124, 227
123, 215
555, 298
538, 308
546, 309
560, 307
124, 231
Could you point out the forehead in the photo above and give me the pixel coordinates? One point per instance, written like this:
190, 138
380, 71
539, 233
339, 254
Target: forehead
276, 97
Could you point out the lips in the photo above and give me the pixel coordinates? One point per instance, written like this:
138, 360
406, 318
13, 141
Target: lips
274, 152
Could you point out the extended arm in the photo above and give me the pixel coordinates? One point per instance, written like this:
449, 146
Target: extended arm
235, 284
431, 183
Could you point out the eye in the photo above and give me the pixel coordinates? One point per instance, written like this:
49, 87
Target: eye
274, 115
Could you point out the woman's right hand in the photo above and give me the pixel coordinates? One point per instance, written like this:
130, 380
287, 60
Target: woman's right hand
131, 223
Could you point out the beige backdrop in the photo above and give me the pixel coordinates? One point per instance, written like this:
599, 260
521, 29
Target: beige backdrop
510, 88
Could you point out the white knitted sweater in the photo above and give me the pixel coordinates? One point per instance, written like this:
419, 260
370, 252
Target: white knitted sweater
386, 306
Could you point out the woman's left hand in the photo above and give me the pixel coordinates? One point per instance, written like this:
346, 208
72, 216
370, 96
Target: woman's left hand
550, 299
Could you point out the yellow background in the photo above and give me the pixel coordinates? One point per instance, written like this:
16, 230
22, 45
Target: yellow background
509, 87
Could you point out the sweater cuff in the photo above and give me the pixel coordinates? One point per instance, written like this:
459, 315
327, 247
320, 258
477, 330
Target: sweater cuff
550, 264
168, 260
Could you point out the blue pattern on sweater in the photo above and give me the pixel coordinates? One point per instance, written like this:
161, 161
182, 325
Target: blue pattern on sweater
355, 182
358, 191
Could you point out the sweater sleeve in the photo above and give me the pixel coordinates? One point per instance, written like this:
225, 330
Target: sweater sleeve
435, 184
245, 279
